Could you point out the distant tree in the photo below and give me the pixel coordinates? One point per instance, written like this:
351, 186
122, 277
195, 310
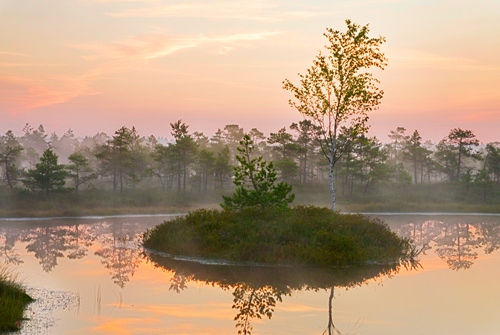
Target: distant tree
64, 146
398, 142
255, 180
232, 135
428, 165
306, 135
287, 168
10, 152
373, 160
217, 142
163, 166
35, 139
259, 140
123, 157
79, 170
482, 180
492, 160
256, 135
223, 169
412, 151
184, 150
446, 159
48, 176
402, 177
137, 159
454, 148
201, 140
205, 159
335, 92
283, 142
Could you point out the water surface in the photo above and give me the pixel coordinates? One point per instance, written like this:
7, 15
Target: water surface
104, 283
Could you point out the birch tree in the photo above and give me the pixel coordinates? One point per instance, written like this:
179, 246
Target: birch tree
337, 93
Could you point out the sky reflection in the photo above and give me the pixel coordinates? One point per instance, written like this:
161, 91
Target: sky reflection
123, 291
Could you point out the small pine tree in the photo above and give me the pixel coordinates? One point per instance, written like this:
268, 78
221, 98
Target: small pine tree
47, 176
255, 180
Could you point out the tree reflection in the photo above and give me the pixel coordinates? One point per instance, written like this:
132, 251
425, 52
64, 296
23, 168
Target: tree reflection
257, 290
331, 329
8, 239
455, 240
457, 246
252, 302
119, 250
80, 238
489, 234
49, 243
118, 245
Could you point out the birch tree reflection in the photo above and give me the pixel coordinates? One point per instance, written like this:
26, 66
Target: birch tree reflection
257, 291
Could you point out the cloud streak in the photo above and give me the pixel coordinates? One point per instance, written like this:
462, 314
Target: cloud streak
12, 53
28, 93
216, 10
417, 58
32, 92
157, 45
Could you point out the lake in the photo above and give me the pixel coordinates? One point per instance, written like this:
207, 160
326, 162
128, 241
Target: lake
90, 275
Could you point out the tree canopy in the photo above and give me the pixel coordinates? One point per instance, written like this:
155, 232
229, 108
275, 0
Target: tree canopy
48, 176
336, 93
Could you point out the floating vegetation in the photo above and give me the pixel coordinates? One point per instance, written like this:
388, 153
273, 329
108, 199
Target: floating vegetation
39, 315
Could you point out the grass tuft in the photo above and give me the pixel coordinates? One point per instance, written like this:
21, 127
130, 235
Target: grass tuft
13, 299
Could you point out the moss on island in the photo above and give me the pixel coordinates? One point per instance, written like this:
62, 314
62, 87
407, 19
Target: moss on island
299, 235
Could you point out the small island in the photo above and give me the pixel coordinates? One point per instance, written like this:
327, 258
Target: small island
257, 225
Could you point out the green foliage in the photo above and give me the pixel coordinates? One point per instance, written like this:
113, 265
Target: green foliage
452, 150
79, 170
123, 157
302, 235
10, 151
256, 183
183, 151
48, 176
13, 299
337, 93
492, 162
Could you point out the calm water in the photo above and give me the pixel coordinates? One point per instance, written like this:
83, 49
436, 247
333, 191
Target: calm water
97, 280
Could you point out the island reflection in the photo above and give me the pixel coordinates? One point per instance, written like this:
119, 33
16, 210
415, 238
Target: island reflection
256, 290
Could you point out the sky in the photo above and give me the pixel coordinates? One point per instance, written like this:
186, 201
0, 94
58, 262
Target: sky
98, 65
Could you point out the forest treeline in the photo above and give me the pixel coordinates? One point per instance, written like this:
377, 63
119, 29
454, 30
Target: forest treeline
407, 167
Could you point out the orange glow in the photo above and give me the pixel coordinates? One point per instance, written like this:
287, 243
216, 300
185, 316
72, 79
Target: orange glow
147, 63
